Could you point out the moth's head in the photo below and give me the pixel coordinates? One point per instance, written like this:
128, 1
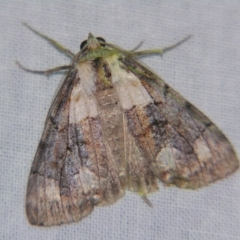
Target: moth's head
92, 42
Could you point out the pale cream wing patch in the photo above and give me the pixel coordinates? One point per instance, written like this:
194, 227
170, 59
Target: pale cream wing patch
130, 91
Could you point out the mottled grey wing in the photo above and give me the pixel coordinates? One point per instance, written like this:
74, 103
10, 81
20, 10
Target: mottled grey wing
183, 147
48, 199
72, 170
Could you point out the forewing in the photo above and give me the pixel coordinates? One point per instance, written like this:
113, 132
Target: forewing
74, 168
182, 145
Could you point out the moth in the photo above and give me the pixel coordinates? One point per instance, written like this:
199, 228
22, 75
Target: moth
115, 125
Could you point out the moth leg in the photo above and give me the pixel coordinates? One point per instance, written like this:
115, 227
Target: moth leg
46, 72
53, 42
159, 51
147, 201
137, 47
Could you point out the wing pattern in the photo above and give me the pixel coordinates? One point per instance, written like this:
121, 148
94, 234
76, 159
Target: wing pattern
189, 150
115, 125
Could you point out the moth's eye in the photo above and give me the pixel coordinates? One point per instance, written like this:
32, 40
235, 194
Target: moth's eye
101, 39
83, 44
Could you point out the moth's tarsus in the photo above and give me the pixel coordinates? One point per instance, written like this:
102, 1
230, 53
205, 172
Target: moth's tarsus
46, 72
159, 51
53, 42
